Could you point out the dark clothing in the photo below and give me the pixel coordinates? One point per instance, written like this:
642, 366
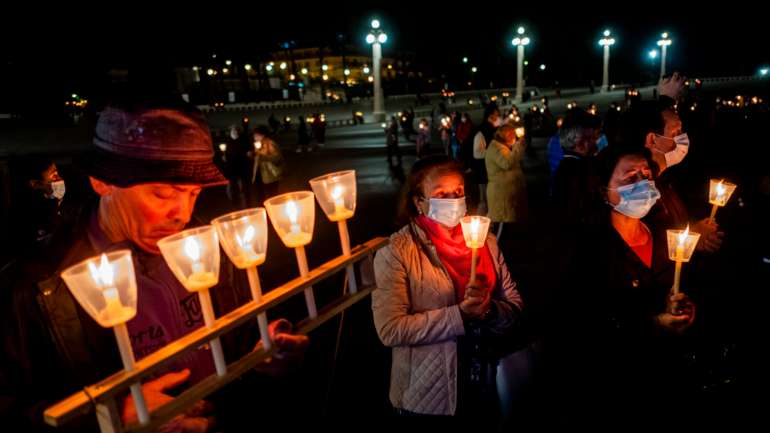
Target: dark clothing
479, 166
576, 192
52, 347
605, 356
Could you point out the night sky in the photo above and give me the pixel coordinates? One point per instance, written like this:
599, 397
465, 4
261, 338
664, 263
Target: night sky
66, 49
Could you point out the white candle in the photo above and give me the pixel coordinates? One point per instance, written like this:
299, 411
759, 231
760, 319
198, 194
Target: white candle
295, 237
199, 279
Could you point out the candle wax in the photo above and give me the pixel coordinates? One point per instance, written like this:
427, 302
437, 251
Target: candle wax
248, 260
200, 280
295, 239
115, 312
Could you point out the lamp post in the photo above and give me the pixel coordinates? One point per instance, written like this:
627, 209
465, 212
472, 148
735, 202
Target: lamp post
606, 42
520, 41
663, 43
376, 38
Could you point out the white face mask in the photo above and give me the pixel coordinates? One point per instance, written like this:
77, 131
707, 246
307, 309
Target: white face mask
57, 189
446, 211
234, 134
676, 155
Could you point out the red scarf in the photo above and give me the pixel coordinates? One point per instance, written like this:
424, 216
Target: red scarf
456, 257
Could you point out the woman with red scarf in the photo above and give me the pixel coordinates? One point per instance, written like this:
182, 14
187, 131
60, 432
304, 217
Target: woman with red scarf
440, 327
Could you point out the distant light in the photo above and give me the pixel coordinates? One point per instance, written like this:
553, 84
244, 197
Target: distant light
606, 33
382, 38
283, 65
474, 69
325, 67
664, 35
325, 77
375, 24
516, 41
653, 54
292, 77
195, 68
371, 79
542, 67
525, 41
225, 70
247, 67
346, 71
465, 60
763, 71
304, 71
370, 38
228, 62
366, 69
520, 30
211, 71
268, 67
390, 66
526, 62
74, 96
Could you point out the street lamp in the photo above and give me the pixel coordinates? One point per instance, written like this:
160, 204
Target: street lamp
520, 41
376, 38
474, 69
663, 43
606, 42
465, 60
763, 72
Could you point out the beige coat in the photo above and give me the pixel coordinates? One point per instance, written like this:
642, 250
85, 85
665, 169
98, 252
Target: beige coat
507, 186
417, 315
268, 162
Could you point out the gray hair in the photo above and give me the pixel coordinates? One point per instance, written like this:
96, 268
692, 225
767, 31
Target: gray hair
573, 128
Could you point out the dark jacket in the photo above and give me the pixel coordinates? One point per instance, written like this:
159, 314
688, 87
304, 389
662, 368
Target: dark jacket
52, 347
576, 194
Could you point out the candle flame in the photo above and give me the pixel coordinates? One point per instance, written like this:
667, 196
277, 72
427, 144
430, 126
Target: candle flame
683, 235
104, 275
292, 212
337, 192
475, 222
258, 145
192, 249
721, 190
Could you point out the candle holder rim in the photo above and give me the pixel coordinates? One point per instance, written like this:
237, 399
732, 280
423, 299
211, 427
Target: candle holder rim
186, 233
232, 216
480, 217
97, 258
283, 198
331, 175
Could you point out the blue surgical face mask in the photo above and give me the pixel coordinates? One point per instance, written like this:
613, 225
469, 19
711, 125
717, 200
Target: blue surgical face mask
637, 199
446, 211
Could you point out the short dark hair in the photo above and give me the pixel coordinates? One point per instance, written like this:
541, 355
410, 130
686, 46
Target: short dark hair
414, 182
643, 117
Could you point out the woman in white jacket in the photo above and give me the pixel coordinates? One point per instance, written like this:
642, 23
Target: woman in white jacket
425, 309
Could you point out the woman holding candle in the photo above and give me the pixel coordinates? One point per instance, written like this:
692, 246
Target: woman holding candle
619, 336
268, 164
425, 309
507, 187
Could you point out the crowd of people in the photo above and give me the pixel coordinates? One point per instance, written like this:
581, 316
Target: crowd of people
612, 344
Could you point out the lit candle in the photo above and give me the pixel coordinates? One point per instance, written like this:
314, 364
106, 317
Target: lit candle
679, 257
258, 144
295, 237
681, 245
104, 277
222, 147
199, 279
719, 194
475, 229
519, 132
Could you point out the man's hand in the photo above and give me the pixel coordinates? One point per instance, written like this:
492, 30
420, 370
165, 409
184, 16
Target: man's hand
476, 303
289, 349
193, 421
710, 236
671, 87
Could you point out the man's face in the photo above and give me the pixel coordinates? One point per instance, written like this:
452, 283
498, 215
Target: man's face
47, 177
671, 128
586, 142
148, 212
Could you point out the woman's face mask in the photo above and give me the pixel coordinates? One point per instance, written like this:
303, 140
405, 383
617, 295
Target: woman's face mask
446, 211
637, 199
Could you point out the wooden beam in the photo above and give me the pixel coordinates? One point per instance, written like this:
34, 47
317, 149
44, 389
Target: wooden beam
80, 402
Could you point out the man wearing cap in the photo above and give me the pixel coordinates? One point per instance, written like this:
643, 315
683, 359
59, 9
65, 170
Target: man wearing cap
147, 166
